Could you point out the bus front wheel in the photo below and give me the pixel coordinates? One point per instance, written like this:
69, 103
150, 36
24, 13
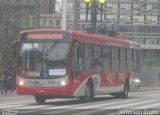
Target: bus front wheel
89, 95
40, 99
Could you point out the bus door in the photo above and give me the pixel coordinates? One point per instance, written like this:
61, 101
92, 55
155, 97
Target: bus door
77, 61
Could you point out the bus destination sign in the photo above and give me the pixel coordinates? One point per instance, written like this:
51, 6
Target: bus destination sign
45, 36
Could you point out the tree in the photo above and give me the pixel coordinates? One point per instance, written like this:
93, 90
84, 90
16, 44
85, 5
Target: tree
10, 29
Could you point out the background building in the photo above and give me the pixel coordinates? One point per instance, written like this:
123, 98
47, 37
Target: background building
51, 20
21, 12
47, 6
136, 20
49, 17
17, 15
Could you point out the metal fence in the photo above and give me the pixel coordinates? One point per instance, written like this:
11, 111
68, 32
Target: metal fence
149, 76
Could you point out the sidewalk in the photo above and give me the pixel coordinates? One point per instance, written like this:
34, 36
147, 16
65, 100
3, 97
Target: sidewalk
8, 93
148, 88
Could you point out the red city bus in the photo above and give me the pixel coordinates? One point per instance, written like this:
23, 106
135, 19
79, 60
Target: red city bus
54, 63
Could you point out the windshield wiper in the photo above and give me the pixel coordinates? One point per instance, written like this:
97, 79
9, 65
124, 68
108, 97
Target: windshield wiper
52, 47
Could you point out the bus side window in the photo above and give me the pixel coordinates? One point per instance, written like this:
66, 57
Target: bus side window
135, 60
97, 58
114, 59
106, 53
123, 60
88, 57
81, 53
129, 61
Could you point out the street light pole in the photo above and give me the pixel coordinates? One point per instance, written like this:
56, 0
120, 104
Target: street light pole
94, 16
94, 10
64, 8
75, 15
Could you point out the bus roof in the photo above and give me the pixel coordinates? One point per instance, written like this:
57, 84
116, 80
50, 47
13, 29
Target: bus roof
41, 30
81, 36
115, 41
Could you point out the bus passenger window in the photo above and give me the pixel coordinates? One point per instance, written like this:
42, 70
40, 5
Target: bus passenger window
97, 58
115, 60
123, 60
88, 57
129, 61
106, 53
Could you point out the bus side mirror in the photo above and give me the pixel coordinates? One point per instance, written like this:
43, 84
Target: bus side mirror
14, 49
14, 54
76, 45
77, 71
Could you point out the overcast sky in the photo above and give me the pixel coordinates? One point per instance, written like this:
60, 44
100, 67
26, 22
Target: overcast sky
58, 6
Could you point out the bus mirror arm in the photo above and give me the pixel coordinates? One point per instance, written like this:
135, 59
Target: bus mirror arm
14, 54
14, 47
76, 72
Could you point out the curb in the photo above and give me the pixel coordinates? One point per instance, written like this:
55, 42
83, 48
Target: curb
148, 89
9, 93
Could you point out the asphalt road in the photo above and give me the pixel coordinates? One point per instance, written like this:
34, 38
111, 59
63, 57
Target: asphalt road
138, 103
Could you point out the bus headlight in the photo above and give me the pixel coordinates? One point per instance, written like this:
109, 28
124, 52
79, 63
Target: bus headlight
63, 83
21, 83
137, 80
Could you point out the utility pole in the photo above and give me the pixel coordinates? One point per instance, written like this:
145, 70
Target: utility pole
64, 8
37, 14
75, 15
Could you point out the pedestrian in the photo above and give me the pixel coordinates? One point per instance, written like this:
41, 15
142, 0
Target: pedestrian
6, 80
159, 78
13, 77
1, 83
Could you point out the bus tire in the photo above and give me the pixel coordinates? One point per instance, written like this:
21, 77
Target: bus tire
89, 95
125, 89
123, 94
40, 99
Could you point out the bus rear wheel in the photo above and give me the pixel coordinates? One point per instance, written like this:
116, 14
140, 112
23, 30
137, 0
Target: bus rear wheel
40, 99
123, 94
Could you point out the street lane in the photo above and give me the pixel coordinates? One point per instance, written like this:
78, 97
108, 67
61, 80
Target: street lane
102, 105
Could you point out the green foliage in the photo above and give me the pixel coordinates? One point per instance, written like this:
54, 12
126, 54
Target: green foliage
151, 62
9, 31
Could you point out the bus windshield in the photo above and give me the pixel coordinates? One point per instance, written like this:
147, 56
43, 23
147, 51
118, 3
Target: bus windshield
43, 60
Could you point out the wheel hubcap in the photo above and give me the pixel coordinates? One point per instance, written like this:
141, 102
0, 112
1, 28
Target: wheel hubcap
126, 91
88, 93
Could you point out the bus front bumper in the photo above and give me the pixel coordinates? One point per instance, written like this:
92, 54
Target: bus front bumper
48, 91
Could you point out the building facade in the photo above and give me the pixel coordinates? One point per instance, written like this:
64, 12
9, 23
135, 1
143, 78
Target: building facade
21, 12
47, 6
52, 21
137, 20
27, 13
49, 17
